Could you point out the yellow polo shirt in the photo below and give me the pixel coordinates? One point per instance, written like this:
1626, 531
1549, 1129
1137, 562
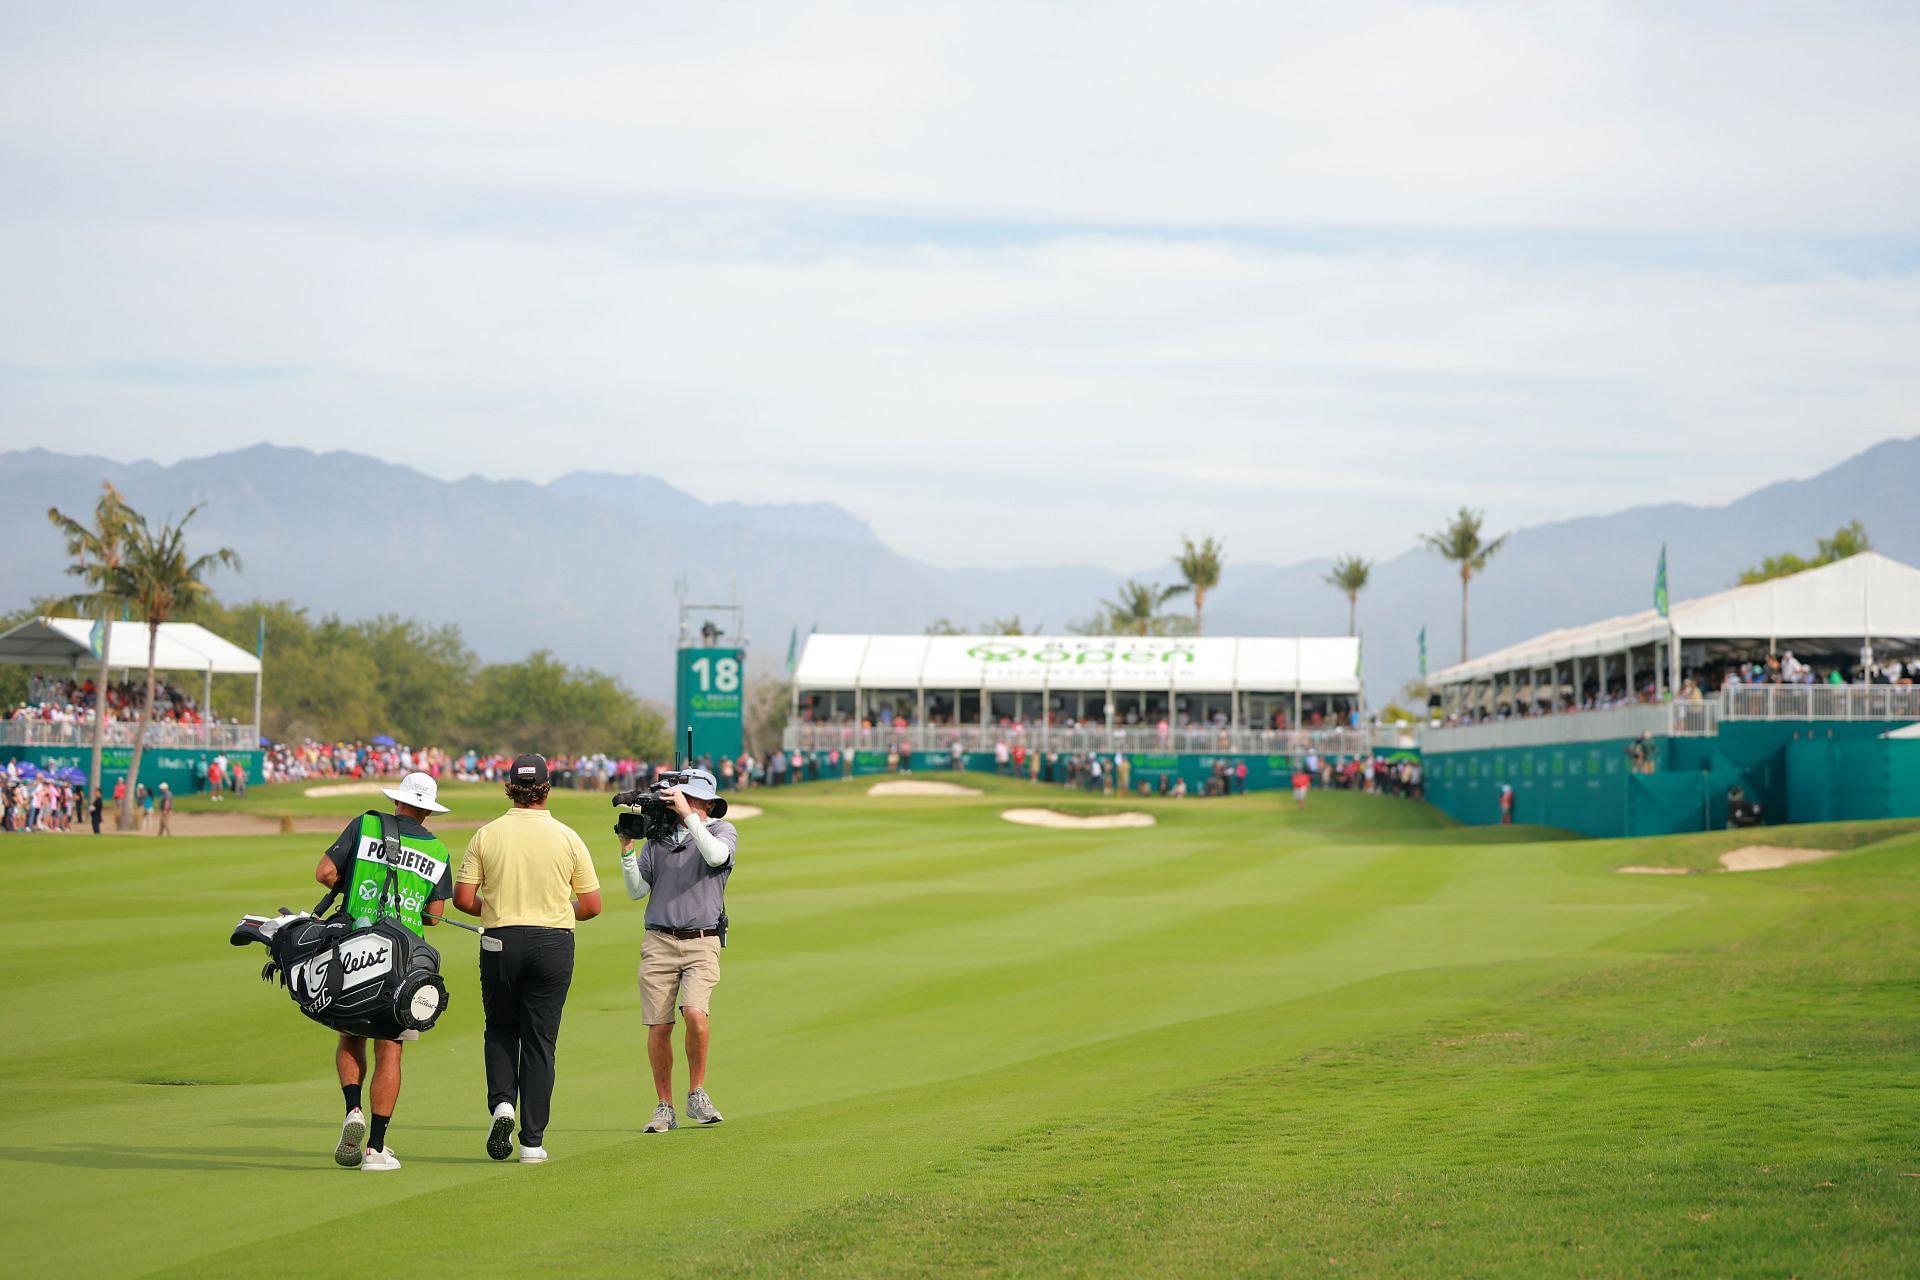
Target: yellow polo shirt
528, 865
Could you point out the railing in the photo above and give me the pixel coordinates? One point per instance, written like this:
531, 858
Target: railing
161, 733
1130, 738
1695, 719
1662, 720
1820, 702
1688, 719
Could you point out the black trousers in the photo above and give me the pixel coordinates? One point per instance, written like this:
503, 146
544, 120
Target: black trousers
524, 988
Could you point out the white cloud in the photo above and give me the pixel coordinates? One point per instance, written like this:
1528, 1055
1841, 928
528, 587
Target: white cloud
1375, 114
777, 238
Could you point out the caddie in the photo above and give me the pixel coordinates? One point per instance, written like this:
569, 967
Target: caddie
357, 863
684, 881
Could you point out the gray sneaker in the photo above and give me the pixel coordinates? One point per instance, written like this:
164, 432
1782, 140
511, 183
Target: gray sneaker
662, 1119
700, 1108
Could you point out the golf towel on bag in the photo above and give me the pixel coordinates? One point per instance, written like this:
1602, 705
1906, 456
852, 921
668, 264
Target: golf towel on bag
377, 981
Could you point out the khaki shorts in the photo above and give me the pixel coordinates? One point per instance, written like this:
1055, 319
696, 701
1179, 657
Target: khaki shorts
676, 973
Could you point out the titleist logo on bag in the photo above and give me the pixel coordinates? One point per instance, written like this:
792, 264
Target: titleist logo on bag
362, 959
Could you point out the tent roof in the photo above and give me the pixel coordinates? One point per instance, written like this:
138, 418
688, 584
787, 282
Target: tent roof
1204, 664
1864, 595
183, 646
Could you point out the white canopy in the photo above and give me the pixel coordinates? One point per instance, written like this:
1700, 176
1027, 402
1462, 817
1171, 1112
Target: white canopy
183, 646
1204, 664
1864, 595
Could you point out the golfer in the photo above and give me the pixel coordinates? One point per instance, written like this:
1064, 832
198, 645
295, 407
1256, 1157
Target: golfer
529, 879
356, 862
684, 881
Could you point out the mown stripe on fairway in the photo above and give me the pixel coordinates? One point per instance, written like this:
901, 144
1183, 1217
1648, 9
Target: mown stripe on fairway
1304, 940
741, 1179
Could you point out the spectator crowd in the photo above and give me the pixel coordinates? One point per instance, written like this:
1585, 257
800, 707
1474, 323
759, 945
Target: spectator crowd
55, 701
1524, 701
32, 801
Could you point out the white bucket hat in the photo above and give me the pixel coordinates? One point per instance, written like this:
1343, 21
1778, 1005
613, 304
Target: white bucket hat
418, 790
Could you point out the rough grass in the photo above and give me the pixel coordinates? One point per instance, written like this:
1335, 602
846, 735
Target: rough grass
1357, 1041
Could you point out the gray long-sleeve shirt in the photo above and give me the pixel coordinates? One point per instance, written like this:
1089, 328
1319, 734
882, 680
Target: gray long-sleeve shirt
684, 880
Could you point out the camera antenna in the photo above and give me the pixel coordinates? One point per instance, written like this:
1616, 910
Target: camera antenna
687, 761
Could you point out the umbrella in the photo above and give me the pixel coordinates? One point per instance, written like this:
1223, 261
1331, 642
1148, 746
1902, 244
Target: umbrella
27, 769
74, 776
384, 741
264, 744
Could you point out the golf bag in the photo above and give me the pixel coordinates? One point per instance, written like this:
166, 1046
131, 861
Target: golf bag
377, 981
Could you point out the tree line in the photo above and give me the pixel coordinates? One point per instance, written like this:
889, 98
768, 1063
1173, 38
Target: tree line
331, 679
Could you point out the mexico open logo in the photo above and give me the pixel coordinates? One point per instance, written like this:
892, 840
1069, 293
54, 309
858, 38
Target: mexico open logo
1085, 653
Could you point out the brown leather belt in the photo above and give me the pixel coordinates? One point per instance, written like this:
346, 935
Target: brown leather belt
683, 934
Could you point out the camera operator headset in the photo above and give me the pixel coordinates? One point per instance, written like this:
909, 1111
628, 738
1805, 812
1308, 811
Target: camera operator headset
681, 869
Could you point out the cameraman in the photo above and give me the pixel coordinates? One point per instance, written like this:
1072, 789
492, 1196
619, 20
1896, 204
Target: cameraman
686, 876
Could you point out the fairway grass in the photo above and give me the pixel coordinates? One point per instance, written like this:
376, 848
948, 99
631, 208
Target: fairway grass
1355, 1041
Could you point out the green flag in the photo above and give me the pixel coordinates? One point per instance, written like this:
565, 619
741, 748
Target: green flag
260, 641
1660, 583
97, 638
1423, 653
793, 648
1359, 656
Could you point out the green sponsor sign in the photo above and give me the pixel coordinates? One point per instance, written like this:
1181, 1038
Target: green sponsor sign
710, 695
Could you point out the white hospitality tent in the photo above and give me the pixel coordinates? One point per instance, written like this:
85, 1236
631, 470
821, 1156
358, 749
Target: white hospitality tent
1845, 611
984, 679
180, 647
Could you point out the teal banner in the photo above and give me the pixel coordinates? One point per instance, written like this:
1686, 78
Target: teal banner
710, 688
183, 769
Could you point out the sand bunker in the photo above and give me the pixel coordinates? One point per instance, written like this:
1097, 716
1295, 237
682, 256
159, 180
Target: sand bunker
1765, 857
1755, 857
351, 789
905, 788
1071, 822
738, 812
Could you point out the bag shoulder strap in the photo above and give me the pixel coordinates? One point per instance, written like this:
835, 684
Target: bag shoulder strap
389, 904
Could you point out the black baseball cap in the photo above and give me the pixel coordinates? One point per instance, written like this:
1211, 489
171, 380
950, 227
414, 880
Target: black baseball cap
528, 771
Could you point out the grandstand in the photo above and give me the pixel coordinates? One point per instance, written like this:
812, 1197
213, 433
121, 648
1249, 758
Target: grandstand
1785, 688
62, 737
1178, 704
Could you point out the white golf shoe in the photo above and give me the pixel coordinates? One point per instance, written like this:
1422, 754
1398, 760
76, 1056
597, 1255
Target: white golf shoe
353, 1141
500, 1132
533, 1155
380, 1161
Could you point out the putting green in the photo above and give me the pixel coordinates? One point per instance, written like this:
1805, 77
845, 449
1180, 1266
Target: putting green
1355, 1040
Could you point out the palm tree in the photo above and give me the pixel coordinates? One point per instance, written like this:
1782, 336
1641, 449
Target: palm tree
1350, 575
157, 578
1135, 608
1460, 542
96, 553
1200, 566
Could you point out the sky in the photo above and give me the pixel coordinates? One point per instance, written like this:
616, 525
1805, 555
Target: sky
1016, 283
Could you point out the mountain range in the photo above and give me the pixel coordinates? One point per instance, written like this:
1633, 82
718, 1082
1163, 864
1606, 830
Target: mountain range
586, 566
